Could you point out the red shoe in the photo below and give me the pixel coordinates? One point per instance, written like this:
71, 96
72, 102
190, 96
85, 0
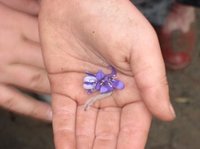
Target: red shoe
177, 44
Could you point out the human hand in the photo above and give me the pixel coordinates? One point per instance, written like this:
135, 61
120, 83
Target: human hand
21, 65
27, 6
85, 36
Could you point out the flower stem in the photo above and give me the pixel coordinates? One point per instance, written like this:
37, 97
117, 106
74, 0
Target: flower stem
93, 99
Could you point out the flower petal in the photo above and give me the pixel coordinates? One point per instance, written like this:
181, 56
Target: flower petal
100, 75
113, 71
90, 79
88, 86
118, 84
98, 86
90, 91
105, 89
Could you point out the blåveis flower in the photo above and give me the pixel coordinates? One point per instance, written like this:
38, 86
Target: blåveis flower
104, 83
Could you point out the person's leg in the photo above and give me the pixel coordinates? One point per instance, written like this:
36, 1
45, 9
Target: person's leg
174, 23
177, 36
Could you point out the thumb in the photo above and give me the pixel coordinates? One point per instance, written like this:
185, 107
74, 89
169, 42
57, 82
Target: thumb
149, 72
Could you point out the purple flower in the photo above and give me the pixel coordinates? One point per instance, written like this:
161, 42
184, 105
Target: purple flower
104, 83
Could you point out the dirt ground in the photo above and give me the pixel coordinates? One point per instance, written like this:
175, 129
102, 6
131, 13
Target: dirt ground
17, 132
184, 132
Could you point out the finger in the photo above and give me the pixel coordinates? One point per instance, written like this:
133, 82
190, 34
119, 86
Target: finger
149, 72
107, 128
15, 101
28, 77
85, 127
28, 25
30, 28
28, 6
64, 116
134, 126
29, 53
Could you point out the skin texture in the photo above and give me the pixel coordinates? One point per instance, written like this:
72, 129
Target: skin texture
80, 36
21, 65
26, 6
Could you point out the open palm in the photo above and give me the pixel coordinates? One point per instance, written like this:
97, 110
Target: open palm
87, 36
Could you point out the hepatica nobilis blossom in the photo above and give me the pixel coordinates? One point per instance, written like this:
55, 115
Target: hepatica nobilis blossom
103, 83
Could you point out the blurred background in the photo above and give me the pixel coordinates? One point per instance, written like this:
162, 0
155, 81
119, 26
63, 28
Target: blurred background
18, 132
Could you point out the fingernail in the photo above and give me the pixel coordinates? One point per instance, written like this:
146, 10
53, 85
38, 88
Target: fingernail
50, 115
172, 110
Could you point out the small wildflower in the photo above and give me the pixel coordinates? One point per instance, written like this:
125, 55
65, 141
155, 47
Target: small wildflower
104, 83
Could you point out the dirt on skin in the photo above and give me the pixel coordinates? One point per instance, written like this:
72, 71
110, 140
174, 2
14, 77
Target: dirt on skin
18, 132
